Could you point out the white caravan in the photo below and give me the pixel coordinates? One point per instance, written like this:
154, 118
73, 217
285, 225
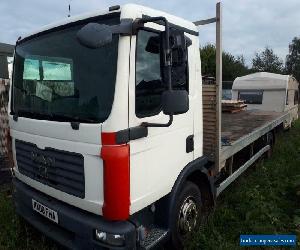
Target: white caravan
107, 120
269, 92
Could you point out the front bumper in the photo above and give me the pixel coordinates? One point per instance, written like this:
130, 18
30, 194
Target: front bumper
75, 228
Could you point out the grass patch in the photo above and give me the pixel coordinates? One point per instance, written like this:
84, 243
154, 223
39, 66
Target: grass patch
15, 234
262, 201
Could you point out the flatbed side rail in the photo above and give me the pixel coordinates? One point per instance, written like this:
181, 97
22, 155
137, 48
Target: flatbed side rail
228, 151
242, 169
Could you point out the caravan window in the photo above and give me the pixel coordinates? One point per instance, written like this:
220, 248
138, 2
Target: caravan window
251, 97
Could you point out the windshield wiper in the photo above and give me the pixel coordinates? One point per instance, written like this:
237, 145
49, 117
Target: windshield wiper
74, 120
70, 118
31, 114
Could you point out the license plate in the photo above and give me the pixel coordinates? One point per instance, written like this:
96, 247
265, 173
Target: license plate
45, 211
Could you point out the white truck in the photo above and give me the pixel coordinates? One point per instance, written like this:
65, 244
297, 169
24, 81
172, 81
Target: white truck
116, 141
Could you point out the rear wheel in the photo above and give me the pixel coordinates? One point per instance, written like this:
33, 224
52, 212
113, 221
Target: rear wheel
187, 214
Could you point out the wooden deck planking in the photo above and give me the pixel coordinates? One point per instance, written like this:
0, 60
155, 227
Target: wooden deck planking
237, 125
209, 120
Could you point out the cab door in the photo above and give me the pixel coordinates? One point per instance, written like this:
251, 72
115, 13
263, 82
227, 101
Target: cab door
155, 160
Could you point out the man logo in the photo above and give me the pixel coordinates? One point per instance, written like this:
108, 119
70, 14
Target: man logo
43, 162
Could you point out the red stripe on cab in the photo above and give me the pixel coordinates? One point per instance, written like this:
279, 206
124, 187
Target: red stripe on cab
116, 178
108, 138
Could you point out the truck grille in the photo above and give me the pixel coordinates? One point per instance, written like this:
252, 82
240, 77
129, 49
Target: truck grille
59, 169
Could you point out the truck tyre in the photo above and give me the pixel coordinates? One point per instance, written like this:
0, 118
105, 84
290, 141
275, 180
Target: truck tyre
187, 214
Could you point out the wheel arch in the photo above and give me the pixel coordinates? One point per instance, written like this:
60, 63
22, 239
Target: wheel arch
195, 172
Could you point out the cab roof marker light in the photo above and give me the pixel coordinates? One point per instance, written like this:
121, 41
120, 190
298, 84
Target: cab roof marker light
114, 7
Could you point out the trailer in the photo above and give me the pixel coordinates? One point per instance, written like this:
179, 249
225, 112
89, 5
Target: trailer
235, 141
250, 131
245, 137
117, 142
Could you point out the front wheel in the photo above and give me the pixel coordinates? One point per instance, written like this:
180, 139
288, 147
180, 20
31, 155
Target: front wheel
187, 214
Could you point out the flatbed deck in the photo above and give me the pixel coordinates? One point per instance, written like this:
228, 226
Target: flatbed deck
242, 128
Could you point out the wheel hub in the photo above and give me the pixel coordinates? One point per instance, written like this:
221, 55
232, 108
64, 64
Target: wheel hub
188, 216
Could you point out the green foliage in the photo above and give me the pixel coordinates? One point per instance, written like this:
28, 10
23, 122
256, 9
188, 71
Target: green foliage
296, 183
208, 60
15, 234
267, 61
232, 66
262, 201
293, 59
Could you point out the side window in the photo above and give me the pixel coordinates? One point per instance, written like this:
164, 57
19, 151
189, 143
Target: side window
251, 97
179, 59
148, 84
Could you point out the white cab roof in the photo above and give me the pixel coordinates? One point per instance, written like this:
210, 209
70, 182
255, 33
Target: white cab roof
127, 11
261, 80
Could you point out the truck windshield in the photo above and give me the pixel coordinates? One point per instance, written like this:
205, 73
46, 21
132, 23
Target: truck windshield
56, 78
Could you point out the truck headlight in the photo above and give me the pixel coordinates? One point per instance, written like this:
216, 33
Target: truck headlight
110, 239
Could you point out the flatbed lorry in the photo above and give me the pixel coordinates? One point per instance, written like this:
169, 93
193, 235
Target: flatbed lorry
117, 143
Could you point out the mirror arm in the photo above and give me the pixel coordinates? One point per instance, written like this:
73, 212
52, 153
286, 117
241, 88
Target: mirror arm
168, 61
158, 125
168, 54
124, 28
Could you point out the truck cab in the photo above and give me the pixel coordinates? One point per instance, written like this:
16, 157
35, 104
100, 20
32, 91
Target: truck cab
106, 126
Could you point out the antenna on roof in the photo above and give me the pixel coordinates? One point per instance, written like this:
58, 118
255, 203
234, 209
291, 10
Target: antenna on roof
69, 14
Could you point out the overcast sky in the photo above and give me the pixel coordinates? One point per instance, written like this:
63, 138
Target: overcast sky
248, 25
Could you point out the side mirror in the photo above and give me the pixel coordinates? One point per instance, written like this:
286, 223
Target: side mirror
175, 102
94, 35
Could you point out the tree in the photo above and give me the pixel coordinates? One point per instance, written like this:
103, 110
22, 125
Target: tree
232, 66
208, 60
267, 61
293, 59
